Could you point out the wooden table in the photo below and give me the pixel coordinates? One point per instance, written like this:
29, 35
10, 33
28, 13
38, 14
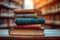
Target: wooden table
29, 38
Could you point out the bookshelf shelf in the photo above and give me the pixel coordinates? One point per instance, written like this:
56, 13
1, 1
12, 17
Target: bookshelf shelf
8, 6
51, 3
53, 24
4, 5
52, 13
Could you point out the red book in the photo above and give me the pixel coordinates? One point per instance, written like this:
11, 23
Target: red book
32, 26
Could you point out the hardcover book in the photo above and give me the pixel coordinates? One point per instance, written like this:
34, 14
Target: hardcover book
27, 32
29, 21
25, 15
30, 26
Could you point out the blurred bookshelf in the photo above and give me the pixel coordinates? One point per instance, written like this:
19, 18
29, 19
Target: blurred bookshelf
51, 14
7, 15
14, 19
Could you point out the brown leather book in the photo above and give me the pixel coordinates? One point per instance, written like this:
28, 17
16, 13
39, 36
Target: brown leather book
27, 32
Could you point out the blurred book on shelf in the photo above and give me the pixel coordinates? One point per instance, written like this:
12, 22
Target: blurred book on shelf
3, 22
11, 22
52, 32
6, 13
4, 32
58, 6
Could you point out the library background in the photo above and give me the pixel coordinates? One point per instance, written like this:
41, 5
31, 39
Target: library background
29, 19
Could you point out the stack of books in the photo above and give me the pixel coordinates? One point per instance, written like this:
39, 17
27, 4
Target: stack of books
27, 23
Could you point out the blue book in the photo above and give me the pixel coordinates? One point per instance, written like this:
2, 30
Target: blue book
4, 32
29, 21
52, 32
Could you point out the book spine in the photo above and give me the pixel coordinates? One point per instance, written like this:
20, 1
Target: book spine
11, 22
25, 15
3, 23
30, 21
30, 26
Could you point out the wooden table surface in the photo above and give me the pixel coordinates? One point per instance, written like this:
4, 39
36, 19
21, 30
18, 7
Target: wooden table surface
29, 38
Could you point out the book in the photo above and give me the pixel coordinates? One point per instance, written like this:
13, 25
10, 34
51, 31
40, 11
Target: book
58, 6
24, 11
25, 15
29, 21
4, 32
53, 17
57, 17
27, 32
52, 32
30, 26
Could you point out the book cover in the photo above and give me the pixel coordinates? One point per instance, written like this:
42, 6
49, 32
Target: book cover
29, 21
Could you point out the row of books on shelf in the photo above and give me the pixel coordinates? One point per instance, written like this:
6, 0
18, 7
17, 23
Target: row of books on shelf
52, 9
11, 4
29, 32
52, 22
3, 22
51, 12
6, 13
52, 19
6, 22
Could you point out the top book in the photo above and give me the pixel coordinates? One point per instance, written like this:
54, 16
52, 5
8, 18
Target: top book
25, 11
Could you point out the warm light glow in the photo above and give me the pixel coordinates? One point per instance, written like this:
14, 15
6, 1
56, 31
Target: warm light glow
28, 4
